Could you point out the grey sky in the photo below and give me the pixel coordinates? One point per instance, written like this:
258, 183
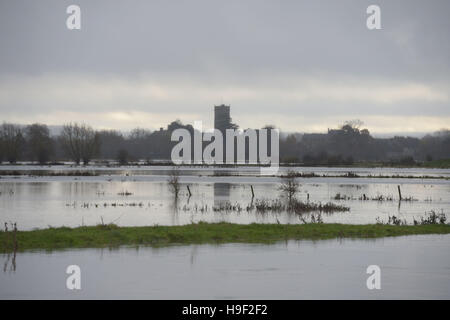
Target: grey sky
301, 65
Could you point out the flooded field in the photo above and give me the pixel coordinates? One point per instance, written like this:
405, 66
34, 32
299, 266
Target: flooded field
140, 197
210, 170
413, 267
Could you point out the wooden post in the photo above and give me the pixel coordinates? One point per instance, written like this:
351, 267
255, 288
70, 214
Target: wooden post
189, 190
6, 236
399, 193
253, 193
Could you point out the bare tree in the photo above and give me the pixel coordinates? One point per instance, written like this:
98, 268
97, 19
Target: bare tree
39, 142
12, 141
174, 182
289, 186
122, 157
355, 123
139, 134
80, 142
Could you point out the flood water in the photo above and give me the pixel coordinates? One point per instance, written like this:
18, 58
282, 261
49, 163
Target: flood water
412, 267
141, 197
215, 170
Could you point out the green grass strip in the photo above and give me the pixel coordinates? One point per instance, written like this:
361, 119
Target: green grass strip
201, 233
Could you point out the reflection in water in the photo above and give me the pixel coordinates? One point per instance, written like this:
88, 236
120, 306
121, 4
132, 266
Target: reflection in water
193, 254
10, 243
12, 267
174, 210
221, 193
69, 201
415, 267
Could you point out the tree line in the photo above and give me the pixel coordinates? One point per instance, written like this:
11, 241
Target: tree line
81, 143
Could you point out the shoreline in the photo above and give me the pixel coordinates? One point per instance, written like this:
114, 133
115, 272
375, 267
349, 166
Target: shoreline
110, 236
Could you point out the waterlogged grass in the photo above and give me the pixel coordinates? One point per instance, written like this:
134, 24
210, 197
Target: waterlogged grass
201, 233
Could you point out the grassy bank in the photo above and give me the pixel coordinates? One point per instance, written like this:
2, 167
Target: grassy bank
112, 236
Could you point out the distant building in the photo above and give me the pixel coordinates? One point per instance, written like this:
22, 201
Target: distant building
222, 122
222, 119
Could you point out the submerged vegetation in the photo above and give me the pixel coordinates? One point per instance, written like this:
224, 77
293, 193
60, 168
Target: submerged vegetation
379, 198
289, 185
125, 193
289, 188
174, 182
351, 174
430, 218
296, 206
38, 173
258, 206
201, 233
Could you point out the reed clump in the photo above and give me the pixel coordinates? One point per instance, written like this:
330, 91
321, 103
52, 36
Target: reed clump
297, 206
430, 218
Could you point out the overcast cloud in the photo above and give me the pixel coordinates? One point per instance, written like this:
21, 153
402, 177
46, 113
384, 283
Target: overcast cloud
301, 65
